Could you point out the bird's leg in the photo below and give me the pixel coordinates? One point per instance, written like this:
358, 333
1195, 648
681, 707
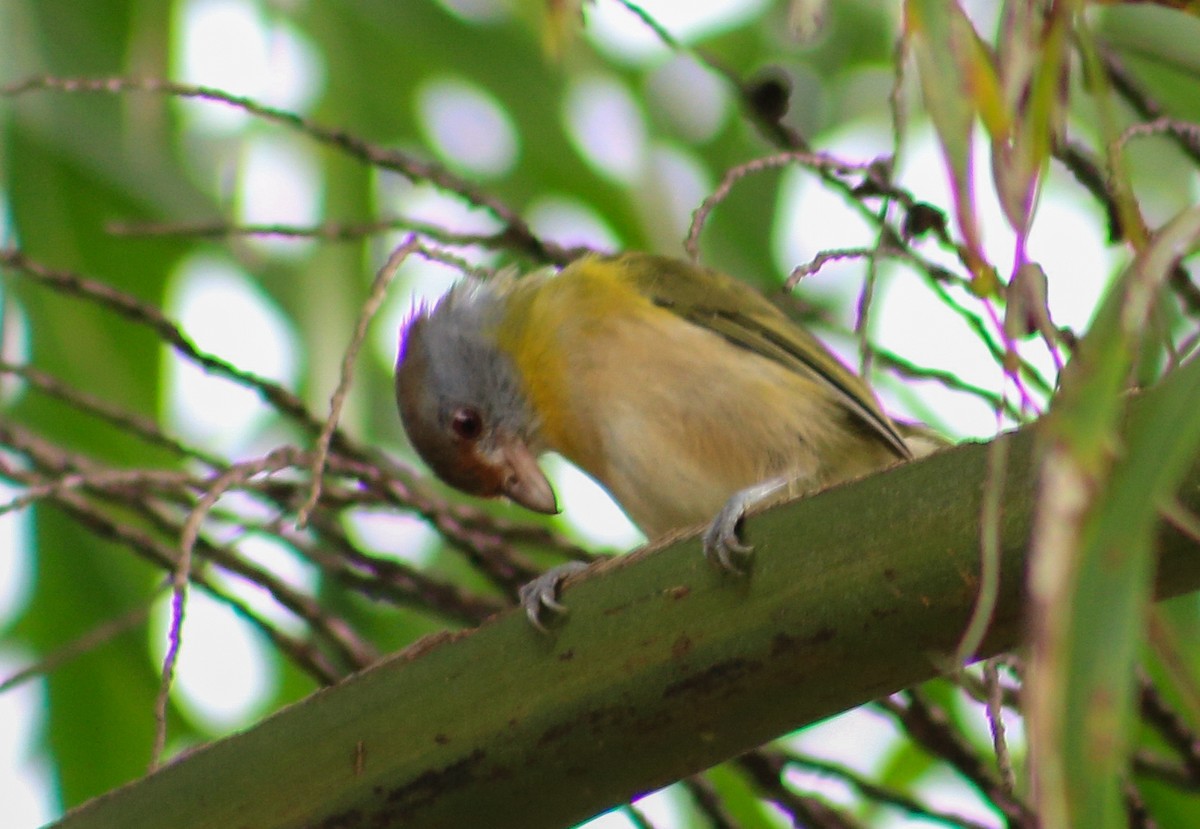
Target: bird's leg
721, 541
541, 594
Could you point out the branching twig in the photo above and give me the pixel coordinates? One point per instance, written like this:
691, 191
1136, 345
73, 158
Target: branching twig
912, 371
928, 727
94, 638
130, 422
1173, 729
879, 794
326, 231
516, 231
236, 474
995, 715
817, 161
142, 313
765, 770
1134, 94
374, 299
708, 802
819, 261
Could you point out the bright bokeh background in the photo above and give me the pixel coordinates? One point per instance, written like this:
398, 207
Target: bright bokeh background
645, 121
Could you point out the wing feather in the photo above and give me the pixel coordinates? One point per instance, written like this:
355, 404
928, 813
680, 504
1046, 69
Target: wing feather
737, 312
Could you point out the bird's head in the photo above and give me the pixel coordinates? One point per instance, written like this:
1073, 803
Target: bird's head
462, 403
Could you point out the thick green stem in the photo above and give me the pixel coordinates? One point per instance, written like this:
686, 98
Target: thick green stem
663, 667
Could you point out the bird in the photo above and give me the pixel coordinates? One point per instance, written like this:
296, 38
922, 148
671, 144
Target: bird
682, 391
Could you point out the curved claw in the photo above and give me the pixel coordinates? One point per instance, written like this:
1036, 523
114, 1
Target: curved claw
541, 594
721, 541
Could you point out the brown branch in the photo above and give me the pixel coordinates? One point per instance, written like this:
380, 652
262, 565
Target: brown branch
180, 576
1135, 808
708, 802
1146, 106
1170, 726
50, 460
101, 634
995, 716
817, 161
766, 771
303, 654
145, 314
929, 728
130, 422
392, 581
374, 299
912, 371
516, 232
326, 231
879, 794
821, 259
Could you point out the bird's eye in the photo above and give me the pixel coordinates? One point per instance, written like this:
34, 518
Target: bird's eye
467, 423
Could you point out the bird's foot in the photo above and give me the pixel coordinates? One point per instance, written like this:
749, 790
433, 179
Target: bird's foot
722, 540
541, 594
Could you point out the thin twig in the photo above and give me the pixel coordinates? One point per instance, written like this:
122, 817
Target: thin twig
326, 231
308, 658
1165, 769
995, 715
384, 579
709, 803
817, 161
516, 230
929, 728
100, 635
143, 313
952, 381
817, 262
1170, 726
144, 427
236, 474
1159, 126
375, 298
635, 816
50, 460
879, 794
1147, 107
766, 771
1135, 807
98, 479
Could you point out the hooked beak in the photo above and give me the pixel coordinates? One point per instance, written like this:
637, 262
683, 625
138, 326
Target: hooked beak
524, 481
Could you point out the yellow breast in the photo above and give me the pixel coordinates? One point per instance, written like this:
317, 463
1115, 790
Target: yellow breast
668, 416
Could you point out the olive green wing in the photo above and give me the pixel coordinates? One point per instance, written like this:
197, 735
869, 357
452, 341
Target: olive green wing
743, 316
